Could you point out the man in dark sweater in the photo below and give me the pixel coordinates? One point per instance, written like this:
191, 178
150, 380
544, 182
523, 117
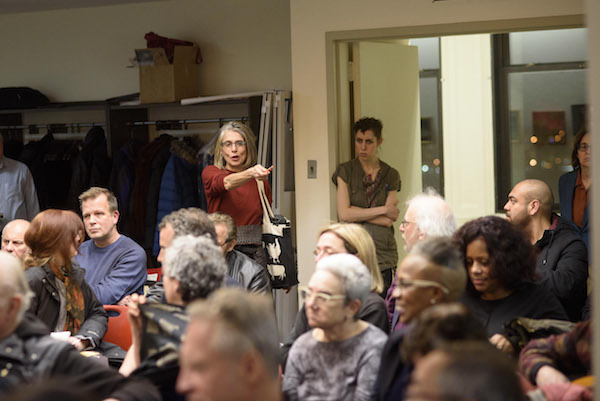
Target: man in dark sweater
562, 265
28, 353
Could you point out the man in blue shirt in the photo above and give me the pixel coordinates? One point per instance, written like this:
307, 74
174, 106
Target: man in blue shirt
19, 199
115, 265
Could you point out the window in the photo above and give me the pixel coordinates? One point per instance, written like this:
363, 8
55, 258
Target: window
540, 96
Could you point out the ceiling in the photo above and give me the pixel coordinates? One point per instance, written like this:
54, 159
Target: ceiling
24, 6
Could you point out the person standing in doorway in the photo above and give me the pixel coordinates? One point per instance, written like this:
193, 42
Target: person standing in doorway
367, 193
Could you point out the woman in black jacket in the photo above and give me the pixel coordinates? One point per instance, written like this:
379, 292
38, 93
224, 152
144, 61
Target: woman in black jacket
63, 300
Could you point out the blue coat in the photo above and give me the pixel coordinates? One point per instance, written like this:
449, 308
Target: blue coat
566, 188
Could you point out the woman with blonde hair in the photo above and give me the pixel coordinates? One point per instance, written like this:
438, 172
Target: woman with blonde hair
353, 239
63, 300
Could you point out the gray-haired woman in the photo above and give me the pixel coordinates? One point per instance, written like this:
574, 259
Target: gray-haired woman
231, 187
337, 359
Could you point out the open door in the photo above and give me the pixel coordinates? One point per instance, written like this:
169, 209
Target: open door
386, 86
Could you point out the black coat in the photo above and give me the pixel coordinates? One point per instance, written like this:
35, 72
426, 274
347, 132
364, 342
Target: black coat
247, 272
562, 266
29, 353
46, 302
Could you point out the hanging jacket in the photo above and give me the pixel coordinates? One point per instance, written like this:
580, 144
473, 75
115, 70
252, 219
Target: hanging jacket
178, 186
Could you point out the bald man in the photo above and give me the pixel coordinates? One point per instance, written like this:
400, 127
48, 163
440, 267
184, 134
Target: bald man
13, 236
562, 264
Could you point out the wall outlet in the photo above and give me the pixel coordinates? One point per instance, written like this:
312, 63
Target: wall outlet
312, 169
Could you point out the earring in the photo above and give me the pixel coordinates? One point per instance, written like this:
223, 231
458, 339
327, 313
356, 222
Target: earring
432, 301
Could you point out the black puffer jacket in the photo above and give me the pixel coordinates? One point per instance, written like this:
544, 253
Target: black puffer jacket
46, 303
562, 265
30, 354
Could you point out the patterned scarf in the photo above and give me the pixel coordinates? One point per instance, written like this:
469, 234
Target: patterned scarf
75, 303
371, 186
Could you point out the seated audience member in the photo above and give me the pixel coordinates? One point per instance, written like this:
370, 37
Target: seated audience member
337, 359
193, 268
115, 265
500, 264
185, 221
427, 215
28, 353
253, 276
562, 264
431, 274
62, 298
230, 351
13, 238
353, 239
558, 358
465, 371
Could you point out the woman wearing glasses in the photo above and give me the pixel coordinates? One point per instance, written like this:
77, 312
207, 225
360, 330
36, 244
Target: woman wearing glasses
431, 274
500, 264
338, 359
230, 186
574, 187
353, 239
367, 193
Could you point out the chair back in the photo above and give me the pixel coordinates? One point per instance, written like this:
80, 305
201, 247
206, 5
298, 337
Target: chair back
119, 331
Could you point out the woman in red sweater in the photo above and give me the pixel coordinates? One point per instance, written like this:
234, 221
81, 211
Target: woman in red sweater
231, 186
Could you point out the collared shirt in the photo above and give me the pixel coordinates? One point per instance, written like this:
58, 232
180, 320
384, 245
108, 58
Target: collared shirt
18, 199
580, 200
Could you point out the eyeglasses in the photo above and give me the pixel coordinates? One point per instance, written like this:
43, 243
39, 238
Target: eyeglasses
326, 251
320, 297
229, 144
584, 147
405, 223
406, 284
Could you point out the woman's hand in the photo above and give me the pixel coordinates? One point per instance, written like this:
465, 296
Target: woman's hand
547, 374
78, 343
259, 172
502, 343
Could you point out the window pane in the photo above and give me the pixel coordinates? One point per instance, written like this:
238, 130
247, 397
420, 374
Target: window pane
429, 52
431, 143
564, 45
544, 113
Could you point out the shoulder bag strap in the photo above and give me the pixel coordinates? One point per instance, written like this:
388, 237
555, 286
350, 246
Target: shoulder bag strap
267, 211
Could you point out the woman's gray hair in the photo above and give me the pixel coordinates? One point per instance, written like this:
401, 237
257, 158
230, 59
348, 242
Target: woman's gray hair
353, 274
13, 282
432, 214
443, 253
197, 263
249, 138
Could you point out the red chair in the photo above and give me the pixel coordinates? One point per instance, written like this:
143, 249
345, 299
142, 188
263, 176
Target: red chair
119, 330
154, 270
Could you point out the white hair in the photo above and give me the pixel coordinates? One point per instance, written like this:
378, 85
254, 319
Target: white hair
354, 275
432, 214
13, 282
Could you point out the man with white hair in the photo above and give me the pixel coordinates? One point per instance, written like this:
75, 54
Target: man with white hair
13, 238
427, 215
28, 353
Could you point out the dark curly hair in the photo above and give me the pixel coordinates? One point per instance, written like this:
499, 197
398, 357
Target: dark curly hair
512, 256
368, 123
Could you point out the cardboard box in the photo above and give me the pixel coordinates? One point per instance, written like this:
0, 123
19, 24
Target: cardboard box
161, 81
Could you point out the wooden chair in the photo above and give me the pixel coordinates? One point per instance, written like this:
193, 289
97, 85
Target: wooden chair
119, 331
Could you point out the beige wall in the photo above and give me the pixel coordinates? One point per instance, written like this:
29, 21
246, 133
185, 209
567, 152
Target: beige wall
81, 54
314, 111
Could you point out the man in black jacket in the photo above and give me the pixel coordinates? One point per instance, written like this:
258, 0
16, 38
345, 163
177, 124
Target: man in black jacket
562, 265
240, 267
28, 353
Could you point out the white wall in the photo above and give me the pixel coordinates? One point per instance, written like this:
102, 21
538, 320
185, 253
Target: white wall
311, 20
81, 54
